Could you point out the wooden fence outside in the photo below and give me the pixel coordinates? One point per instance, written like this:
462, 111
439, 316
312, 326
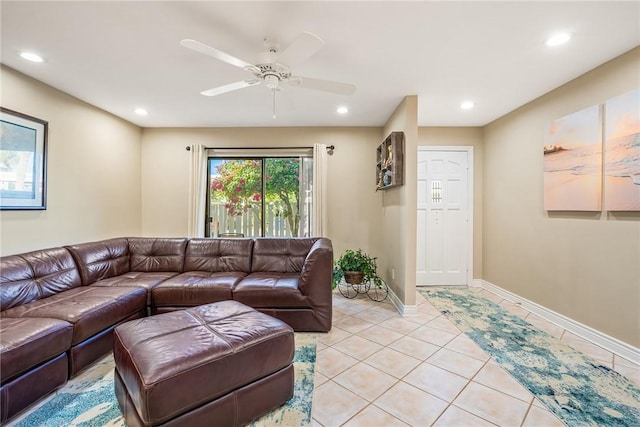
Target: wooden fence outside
249, 224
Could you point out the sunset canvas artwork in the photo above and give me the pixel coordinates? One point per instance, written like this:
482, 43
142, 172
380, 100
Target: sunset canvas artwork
573, 162
622, 153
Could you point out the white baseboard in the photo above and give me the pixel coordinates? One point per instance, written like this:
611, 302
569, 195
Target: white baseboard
404, 310
603, 340
475, 283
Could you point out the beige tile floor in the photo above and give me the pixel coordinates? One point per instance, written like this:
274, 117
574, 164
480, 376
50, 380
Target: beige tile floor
377, 368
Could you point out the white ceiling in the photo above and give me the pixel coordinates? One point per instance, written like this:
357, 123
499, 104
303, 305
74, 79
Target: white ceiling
122, 55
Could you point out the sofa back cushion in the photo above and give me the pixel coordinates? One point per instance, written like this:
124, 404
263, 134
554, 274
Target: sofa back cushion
216, 255
148, 254
281, 255
35, 275
101, 260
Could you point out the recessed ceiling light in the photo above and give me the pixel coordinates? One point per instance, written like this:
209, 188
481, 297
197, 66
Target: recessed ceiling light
30, 56
558, 39
141, 111
342, 109
466, 105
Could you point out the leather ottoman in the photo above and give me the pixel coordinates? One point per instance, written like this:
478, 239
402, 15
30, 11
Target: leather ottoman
220, 364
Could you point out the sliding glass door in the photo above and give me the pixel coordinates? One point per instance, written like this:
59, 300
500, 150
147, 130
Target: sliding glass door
259, 196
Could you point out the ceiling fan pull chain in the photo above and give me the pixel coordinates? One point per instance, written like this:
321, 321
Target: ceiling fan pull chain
274, 103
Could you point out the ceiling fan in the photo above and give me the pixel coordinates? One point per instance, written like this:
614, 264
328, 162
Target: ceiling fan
274, 66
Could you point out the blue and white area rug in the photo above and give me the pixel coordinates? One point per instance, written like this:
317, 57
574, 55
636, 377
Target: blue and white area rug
578, 389
89, 399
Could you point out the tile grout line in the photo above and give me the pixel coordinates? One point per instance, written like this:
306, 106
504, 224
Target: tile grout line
397, 380
527, 413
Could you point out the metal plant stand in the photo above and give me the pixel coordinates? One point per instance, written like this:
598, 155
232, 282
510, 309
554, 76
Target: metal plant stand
376, 292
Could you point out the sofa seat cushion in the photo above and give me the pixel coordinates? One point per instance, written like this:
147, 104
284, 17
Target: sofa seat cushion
195, 288
137, 279
90, 309
26, 343
266, 290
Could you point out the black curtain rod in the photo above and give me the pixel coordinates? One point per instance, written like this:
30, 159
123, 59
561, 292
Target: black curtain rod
329, 148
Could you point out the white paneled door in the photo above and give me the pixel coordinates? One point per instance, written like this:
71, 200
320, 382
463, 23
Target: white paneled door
443, 217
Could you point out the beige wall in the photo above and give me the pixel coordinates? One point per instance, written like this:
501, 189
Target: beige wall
399, 209
470, 137
585, 266
353, 204
93, 171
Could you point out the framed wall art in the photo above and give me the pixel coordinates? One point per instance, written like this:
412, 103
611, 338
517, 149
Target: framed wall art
622, 153
23, 162
573, 162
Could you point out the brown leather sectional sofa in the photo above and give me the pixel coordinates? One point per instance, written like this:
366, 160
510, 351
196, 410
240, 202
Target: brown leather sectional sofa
59, 306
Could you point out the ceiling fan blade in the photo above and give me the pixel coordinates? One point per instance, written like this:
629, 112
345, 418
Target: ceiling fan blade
230, 87
324, 85
218, 54
302, 48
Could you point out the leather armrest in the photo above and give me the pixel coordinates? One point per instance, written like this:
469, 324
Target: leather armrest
316, 274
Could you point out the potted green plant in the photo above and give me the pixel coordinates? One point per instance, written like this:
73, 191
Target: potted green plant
355, 267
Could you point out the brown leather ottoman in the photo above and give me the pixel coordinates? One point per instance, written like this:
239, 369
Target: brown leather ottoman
220, 364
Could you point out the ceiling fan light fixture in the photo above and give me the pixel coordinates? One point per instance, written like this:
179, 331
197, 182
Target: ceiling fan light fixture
271, 81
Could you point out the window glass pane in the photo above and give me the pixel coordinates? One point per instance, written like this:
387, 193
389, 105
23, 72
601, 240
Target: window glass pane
253, 197
282, 196
235, 208
436, 192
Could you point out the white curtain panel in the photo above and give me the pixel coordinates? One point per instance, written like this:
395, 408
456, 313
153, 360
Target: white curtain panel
319, 217
197, 190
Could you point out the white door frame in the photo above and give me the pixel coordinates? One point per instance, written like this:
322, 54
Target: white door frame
470, 175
